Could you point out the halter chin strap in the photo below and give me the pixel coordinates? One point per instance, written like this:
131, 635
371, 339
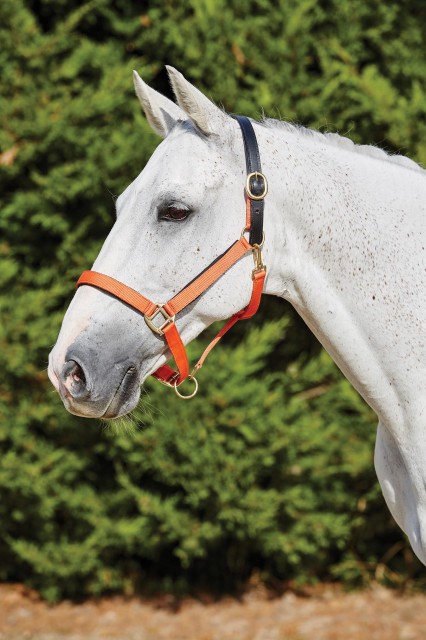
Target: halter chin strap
160, 318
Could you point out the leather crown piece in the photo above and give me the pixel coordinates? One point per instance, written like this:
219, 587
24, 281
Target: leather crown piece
256, 185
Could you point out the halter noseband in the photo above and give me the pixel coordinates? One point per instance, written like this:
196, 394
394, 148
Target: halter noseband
160, 318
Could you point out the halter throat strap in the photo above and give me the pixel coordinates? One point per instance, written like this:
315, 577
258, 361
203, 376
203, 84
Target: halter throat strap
160, 318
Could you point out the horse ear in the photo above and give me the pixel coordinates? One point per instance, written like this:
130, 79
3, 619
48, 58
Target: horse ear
161, 113
208, 118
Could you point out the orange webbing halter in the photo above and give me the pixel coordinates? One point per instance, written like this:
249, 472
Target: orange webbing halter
160, 318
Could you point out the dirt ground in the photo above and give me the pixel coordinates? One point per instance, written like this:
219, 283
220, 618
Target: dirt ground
326, 614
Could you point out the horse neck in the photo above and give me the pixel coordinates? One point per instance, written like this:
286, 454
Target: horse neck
336, 235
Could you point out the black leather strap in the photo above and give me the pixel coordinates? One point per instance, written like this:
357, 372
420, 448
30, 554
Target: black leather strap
253, 165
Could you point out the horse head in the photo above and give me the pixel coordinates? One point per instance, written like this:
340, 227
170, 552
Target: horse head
182, 211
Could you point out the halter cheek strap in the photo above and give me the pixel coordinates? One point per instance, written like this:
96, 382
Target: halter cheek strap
160, 318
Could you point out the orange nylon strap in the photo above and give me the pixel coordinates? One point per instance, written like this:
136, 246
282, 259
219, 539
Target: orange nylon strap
248, 214
253, 305
178, 351
131, 297
166, 374
169, 376
244, 314
118, 290
208, 277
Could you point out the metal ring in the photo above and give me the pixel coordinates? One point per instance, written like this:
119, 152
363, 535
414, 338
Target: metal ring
192, 394
259, 246
245, 230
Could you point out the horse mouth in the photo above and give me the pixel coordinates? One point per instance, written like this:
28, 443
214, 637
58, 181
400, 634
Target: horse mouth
126, 397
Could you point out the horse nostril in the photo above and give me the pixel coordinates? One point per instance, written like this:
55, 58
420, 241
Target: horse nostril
78, 375
74, 379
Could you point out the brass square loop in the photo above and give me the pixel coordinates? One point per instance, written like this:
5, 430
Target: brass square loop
159, 330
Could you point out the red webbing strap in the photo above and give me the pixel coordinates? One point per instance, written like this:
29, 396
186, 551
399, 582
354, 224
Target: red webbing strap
166, 375
118, 290
244, 314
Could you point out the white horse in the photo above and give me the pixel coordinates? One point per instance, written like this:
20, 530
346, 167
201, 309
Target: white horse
345, 229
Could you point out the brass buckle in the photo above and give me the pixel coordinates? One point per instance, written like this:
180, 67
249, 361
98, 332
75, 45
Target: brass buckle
159, 330
257, 253
170, 383
249, 192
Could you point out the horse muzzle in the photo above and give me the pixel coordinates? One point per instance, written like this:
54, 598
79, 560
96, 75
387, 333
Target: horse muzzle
87, 392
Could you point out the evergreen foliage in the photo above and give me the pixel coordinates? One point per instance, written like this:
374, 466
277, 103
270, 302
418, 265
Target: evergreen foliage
263, 472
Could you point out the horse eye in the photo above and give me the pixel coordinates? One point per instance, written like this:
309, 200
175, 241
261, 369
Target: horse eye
176, 214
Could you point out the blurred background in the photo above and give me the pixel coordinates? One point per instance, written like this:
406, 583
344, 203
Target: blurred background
268, 473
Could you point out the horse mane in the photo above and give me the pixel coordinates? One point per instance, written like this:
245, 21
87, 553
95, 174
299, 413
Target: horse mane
341, 142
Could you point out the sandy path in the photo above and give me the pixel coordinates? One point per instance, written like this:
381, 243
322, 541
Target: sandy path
376, 614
